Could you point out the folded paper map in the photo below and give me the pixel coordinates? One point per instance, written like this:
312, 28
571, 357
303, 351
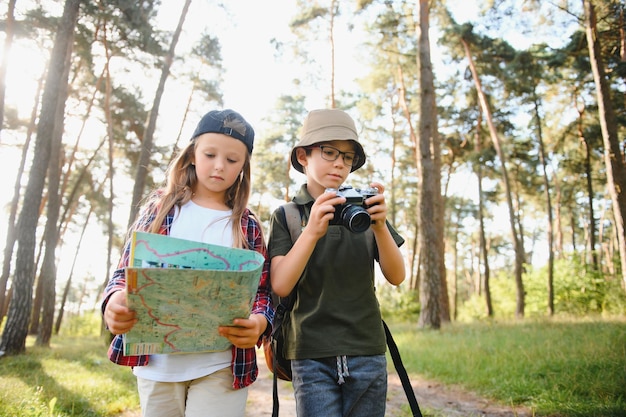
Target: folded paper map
183, 290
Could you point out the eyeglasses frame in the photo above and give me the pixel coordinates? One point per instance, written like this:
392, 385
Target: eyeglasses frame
355, 159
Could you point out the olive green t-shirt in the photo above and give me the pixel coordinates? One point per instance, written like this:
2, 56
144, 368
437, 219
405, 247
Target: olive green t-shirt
336, 311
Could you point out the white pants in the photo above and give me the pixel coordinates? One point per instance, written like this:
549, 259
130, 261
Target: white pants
209, 396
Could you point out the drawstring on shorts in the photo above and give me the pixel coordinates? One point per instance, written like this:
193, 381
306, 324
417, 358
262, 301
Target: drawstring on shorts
342, 369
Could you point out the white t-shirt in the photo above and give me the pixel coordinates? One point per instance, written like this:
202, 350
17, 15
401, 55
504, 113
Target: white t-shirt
200, 224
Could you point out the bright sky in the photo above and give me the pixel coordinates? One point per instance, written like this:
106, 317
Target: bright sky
254, 79
251, 74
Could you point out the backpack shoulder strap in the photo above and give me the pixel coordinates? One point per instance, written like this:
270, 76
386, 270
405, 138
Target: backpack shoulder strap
294, 219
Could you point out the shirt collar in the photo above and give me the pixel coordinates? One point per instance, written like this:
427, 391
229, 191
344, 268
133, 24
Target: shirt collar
303, 197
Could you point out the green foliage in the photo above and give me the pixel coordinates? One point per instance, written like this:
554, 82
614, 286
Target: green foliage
578, 291
562, 368
502, 289
398, 303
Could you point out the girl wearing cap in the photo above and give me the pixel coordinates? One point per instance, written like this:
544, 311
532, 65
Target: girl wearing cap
334, 335
205, 199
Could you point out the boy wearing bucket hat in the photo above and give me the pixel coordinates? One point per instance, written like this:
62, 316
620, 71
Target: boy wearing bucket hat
334, 334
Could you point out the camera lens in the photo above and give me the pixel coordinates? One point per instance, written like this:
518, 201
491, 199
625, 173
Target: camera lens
355, 218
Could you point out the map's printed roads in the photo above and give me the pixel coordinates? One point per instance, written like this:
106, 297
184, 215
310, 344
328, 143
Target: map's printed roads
183, 290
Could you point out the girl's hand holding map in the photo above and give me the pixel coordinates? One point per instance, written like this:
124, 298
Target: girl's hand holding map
117, 316
245, 333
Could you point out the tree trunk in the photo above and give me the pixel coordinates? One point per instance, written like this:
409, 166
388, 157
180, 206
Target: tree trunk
66, 290
481, 221
519, 253
434, 298
72, 156
35, 308
455, 264
417, 246
558, 222
613, 158
16, 328
589, 183
546, 184
111, 174
48, 274
415, 265
12, 226
148, 138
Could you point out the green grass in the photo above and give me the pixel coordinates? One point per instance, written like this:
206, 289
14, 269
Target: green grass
73, 378
556, 368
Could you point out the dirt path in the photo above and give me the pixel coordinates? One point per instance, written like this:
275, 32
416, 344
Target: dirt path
433, 399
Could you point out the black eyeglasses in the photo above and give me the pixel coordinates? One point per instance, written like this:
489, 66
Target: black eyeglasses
331, 154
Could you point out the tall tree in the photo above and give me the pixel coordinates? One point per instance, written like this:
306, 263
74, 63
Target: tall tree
433, 290
481, 218
579, 146
387, 109
308, 14
148, 138
16, 328
515, 235
528, 66
48, 274
613, 156
11, 224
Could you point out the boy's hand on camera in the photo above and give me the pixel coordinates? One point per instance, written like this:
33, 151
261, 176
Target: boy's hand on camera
245, 333
118, 317
322, 212
377, 208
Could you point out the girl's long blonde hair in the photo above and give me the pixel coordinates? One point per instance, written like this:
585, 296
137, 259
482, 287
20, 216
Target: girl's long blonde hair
178, 190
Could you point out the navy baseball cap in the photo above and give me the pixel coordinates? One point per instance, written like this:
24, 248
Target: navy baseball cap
227, 122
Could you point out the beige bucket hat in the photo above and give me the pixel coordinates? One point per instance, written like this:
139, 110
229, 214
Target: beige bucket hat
325, 125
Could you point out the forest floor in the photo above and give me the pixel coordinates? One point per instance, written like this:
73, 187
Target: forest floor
434, 399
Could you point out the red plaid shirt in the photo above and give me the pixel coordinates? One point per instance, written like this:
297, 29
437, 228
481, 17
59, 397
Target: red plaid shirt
244, 365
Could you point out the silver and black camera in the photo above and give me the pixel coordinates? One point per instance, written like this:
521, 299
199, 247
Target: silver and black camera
353, 213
